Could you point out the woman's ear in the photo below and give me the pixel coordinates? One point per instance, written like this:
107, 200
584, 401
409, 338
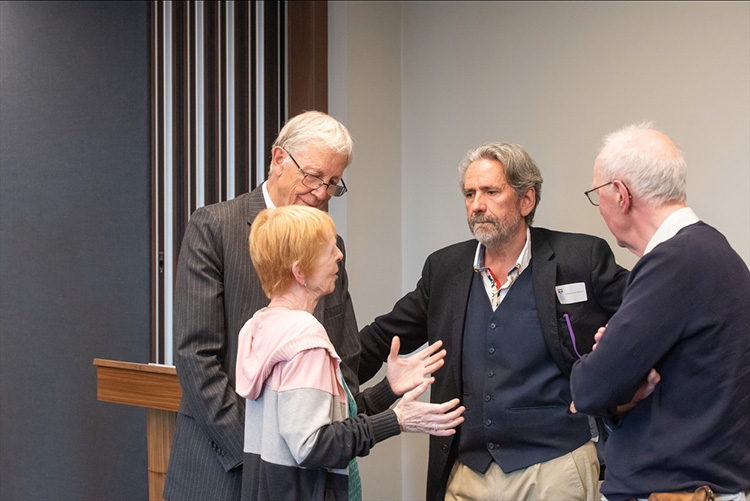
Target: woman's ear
299, 276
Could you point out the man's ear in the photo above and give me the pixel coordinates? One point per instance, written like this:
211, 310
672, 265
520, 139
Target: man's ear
278, 155
528, 200
625, 199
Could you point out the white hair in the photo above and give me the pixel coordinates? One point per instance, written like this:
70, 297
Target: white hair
315, 126
650, 164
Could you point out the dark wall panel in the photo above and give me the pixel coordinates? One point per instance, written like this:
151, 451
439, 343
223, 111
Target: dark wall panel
74, 245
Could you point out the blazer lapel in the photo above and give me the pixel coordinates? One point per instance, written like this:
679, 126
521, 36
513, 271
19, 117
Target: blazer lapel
544, 274
255, 204
460, 285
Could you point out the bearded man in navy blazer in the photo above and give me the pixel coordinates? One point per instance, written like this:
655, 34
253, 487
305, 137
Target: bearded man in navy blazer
217, 291
514, 308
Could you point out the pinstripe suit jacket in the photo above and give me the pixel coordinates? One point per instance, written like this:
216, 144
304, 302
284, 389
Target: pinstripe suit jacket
216, 292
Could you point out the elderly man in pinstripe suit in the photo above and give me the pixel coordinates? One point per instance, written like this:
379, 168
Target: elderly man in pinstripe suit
217, 291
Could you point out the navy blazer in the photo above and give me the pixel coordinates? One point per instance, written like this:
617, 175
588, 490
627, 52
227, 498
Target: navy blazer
436, 310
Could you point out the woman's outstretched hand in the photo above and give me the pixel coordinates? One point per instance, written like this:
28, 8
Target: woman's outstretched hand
422, 417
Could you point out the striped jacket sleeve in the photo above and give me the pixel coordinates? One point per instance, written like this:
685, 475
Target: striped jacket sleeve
313, 414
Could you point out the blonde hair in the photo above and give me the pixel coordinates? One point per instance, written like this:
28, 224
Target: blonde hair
282, 236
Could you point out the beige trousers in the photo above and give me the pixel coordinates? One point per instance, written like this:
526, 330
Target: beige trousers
571, 477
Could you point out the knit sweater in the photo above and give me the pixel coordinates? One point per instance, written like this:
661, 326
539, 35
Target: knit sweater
298, 436
686, 312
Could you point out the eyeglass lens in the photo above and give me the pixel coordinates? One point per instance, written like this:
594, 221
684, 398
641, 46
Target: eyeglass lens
593, 193
315, 182
593, 197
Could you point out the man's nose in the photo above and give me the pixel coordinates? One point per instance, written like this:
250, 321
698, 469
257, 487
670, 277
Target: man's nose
477, 203
320, 192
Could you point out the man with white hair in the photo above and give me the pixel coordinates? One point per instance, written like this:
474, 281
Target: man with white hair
217, 290
685, 313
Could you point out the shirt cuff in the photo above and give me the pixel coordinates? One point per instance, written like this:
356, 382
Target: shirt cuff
384, 425
381, 396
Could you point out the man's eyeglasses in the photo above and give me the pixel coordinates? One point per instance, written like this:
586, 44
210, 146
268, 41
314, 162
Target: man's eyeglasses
593, 194
314, 182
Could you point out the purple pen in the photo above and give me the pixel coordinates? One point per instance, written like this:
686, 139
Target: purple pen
570, 331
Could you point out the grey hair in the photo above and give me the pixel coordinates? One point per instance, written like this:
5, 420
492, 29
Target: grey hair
653, 168
521, 171
315, 126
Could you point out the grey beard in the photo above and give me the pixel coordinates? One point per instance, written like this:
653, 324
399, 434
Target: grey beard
499, 233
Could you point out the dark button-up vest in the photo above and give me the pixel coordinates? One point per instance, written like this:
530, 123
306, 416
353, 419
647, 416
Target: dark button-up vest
516, 398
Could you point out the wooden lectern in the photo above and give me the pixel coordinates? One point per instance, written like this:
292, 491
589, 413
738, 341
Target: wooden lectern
154, 387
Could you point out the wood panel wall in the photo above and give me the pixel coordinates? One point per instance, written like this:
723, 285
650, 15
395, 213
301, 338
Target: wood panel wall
225, 76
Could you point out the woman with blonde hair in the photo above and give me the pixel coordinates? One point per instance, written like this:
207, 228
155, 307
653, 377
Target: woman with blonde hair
302, 431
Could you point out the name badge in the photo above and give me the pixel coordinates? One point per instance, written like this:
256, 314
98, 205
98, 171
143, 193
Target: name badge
571, 293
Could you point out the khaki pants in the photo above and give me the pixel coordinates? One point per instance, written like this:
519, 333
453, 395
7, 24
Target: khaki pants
739, 496
570, 477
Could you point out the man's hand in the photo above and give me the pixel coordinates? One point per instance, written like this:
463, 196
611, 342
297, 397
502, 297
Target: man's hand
598, 336
407, 373
644, 390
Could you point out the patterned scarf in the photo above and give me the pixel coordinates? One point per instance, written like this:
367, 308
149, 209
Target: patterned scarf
355, 482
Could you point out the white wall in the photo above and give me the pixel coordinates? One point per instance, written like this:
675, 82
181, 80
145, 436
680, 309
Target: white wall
420, 83
365, 93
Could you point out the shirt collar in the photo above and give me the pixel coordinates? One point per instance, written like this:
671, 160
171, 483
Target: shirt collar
521, 263
267, 197
669, 228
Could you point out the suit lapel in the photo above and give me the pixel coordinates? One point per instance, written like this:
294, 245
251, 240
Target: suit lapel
252, 204
544, 274
255, 204
460, 285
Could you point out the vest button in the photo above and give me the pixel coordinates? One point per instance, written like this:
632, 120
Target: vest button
492, 326
490, 374
487, 398
444, 448
488, 422
490, 446
491, 350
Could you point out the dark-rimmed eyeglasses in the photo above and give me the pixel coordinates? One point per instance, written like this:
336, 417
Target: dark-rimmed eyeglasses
593, 194
314, 182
